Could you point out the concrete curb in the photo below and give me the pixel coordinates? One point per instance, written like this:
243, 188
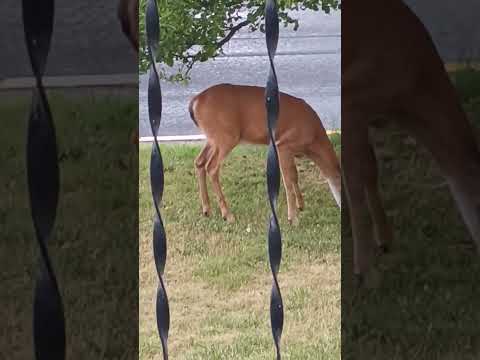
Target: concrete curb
80, 81
188, 138
462, 66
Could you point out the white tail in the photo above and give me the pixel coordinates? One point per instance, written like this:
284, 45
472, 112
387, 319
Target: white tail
230, 114
391, 70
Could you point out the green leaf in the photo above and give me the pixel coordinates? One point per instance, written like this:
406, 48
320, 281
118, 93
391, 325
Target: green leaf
186, 23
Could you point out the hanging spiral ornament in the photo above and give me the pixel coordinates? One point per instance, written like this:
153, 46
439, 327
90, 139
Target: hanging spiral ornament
272, 102
43, 184
152, 23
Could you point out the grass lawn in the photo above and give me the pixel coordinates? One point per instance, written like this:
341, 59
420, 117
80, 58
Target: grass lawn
427, 305
96, 226
217, 274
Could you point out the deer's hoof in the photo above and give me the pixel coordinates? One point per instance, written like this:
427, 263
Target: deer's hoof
383, 249
206, 212
358, 282
229, 218
293, 221
134, 138
369, 280
372, 279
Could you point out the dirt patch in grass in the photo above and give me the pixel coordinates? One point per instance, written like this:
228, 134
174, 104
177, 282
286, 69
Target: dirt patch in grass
218, 276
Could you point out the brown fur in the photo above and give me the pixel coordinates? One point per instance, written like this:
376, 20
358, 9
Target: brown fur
127, 13
190, 110
230, 114
128, 16
391, 70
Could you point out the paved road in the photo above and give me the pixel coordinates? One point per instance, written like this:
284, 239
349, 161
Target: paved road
453, 25
308, 66
87, 40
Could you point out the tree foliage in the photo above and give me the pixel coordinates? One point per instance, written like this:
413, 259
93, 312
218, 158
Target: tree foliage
194, 31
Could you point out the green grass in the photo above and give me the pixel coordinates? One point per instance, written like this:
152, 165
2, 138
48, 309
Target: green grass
426, 306
467, 82
96, 213
218, 275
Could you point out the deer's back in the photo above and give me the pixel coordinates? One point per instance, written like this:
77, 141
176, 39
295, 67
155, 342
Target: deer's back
391, 70
239, 111
387, 56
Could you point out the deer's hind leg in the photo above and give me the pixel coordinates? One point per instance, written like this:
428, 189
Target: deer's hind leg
382, 230
323, 155
200, 167
442, 126
216, 157
357, 164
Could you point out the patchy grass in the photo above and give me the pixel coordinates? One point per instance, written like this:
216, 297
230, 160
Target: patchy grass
217, 274
96, 226
426, 306
467, 82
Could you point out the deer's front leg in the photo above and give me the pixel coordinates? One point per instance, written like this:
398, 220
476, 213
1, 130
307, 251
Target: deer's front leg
356, 172
213, 170
298, 196
290, 182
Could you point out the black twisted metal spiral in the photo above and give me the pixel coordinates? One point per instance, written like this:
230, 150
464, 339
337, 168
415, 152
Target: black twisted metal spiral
152, 23
273, 173
43, 183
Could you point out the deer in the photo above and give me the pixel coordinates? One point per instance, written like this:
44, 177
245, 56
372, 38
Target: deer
127, 13
392, 72
231, 114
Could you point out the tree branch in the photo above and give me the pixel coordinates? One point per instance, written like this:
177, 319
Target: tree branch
233, 31
192, 59
236, 28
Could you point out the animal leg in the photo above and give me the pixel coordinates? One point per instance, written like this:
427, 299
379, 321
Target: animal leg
323, 155
357, 163
200, 167
382, 230
290, 181
298, 194
443, 128
213, 166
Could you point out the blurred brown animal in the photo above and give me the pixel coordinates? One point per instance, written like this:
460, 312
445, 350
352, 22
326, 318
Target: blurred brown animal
229, 114
392, 70
127, 13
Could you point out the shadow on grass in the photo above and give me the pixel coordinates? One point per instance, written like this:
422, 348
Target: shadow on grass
427, 304
93, 248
